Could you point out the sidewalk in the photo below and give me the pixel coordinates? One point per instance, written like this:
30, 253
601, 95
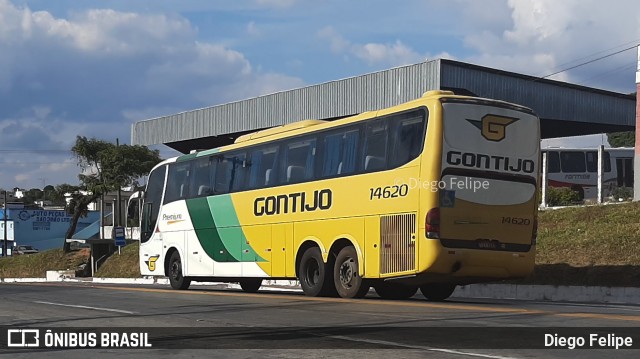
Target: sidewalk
618, 295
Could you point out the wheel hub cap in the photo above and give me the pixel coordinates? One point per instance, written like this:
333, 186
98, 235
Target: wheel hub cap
347, 272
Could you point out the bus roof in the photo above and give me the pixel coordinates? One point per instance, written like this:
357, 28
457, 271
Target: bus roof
278, 130
300, 126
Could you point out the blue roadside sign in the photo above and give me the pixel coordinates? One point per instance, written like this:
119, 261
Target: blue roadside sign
119, 237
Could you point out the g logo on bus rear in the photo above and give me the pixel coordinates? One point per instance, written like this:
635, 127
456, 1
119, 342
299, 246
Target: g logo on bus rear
493, 127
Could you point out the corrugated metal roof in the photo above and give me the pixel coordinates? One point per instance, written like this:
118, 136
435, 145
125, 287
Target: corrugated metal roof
550, 99
324, 101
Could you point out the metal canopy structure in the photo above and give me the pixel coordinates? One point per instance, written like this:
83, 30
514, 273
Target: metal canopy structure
565, 109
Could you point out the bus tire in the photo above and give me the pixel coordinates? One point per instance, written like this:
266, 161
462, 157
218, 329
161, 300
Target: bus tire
176, 277
312, 273
390, 290
437, 292
346, 276
251, 285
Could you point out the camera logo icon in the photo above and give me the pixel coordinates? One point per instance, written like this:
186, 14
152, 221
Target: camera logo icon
23, 338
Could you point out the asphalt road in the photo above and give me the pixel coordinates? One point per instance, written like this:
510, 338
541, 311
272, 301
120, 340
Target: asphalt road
222, 322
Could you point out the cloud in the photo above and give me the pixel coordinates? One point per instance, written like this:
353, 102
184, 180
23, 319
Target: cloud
545, 36
396, 53
388, 54
338, 43
276, 3
252, 29
94, 72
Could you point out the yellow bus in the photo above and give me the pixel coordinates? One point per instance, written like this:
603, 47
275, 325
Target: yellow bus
429, 194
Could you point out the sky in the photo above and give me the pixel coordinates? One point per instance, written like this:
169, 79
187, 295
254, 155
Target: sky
92, 68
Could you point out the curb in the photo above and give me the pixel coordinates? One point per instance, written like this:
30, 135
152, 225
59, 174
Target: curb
617, 295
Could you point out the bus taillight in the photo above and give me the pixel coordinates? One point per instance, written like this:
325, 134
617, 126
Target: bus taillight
432, 223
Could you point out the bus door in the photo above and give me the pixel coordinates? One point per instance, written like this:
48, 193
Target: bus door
624, 167
151, 252
489, 170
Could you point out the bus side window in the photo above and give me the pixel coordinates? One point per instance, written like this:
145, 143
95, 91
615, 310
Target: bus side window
201, 185
573, 162
376, 145
592, 161
152, 199
340, 152
553, 162
224, 167
407, 137
239, 172
263, 167
607, 162
299, 160
178, 181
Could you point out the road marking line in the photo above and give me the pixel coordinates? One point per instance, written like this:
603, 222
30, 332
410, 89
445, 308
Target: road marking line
454, 306
87, 307
333, 300
420, 347
629, 307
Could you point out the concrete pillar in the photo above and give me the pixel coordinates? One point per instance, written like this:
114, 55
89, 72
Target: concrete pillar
545, 169
636, 158
600, 171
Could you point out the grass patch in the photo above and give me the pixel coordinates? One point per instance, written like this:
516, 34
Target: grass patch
37, 265
590, 236
124, 265
597, 245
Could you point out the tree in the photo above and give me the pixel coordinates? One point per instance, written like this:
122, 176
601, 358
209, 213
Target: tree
106, 167
31, 196
622, 139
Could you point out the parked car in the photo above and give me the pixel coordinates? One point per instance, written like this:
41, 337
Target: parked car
25, 250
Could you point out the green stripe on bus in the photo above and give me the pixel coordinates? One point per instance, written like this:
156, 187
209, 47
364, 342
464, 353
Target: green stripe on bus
186, 157
226, 219
208, 152
218, 230
207, 232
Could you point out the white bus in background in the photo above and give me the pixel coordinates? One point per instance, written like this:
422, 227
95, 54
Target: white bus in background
577, 168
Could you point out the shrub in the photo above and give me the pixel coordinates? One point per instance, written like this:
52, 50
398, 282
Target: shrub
623, 193
562, 196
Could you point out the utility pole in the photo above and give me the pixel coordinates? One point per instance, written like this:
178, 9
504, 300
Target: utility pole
6, 239
44, 193
118, 200
636, 160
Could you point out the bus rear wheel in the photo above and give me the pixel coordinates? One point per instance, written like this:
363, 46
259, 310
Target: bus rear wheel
346, 275
390, 290
437, 292
250, 285
176, 277
312, 273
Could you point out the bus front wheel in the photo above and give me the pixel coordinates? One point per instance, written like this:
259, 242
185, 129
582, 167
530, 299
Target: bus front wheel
312, 273
437, 292
346, 275
390, 290
250, 285
176, 277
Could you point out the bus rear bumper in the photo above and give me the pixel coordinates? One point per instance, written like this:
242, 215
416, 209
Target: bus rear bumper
466, 266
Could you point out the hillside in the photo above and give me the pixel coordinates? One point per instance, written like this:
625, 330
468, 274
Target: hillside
598, 245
